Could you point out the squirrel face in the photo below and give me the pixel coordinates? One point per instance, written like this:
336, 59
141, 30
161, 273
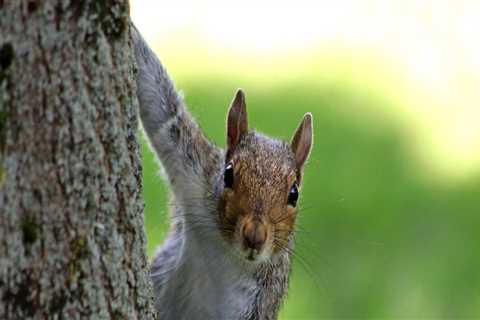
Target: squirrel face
261, 182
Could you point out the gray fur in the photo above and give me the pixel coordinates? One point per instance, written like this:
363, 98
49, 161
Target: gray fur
179, 143
196, 273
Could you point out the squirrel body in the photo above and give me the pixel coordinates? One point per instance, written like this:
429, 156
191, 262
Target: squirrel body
228, 252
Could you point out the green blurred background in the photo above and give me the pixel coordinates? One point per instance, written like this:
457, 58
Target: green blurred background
391, 197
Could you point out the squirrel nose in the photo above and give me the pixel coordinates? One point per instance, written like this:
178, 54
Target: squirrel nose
254, 235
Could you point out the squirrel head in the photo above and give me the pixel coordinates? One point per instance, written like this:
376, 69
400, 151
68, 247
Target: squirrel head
261, 182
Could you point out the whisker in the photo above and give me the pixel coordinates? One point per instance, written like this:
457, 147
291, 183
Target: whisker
283, 245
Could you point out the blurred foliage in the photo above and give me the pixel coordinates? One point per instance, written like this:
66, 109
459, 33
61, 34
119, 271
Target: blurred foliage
377, 237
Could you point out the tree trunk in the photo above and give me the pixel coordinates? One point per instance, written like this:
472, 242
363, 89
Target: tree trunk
72, 240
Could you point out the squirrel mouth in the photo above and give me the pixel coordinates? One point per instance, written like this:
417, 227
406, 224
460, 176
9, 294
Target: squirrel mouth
252, 254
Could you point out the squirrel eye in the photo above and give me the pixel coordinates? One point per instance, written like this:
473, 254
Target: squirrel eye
228, 176
293, 195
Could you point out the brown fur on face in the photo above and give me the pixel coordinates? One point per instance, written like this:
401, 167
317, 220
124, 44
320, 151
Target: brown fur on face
254, 211
264, 171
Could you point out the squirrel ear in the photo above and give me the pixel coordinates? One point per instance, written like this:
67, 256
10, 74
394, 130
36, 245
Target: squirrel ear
237, 123
302, 140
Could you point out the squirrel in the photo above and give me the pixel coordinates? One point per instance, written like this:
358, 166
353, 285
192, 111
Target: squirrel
229, 249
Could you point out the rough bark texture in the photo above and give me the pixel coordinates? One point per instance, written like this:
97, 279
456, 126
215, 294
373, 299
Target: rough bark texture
72, 241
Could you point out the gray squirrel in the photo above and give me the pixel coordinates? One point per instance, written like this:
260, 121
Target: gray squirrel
228, 253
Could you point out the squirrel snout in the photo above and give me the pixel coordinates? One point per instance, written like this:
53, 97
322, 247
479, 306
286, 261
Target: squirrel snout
254, 235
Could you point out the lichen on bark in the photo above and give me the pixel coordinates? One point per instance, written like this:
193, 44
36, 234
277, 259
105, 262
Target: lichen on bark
72, 240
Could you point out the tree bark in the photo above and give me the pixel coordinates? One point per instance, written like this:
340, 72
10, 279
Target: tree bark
72, 240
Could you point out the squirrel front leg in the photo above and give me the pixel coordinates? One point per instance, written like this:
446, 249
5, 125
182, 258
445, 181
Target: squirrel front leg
181, 146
